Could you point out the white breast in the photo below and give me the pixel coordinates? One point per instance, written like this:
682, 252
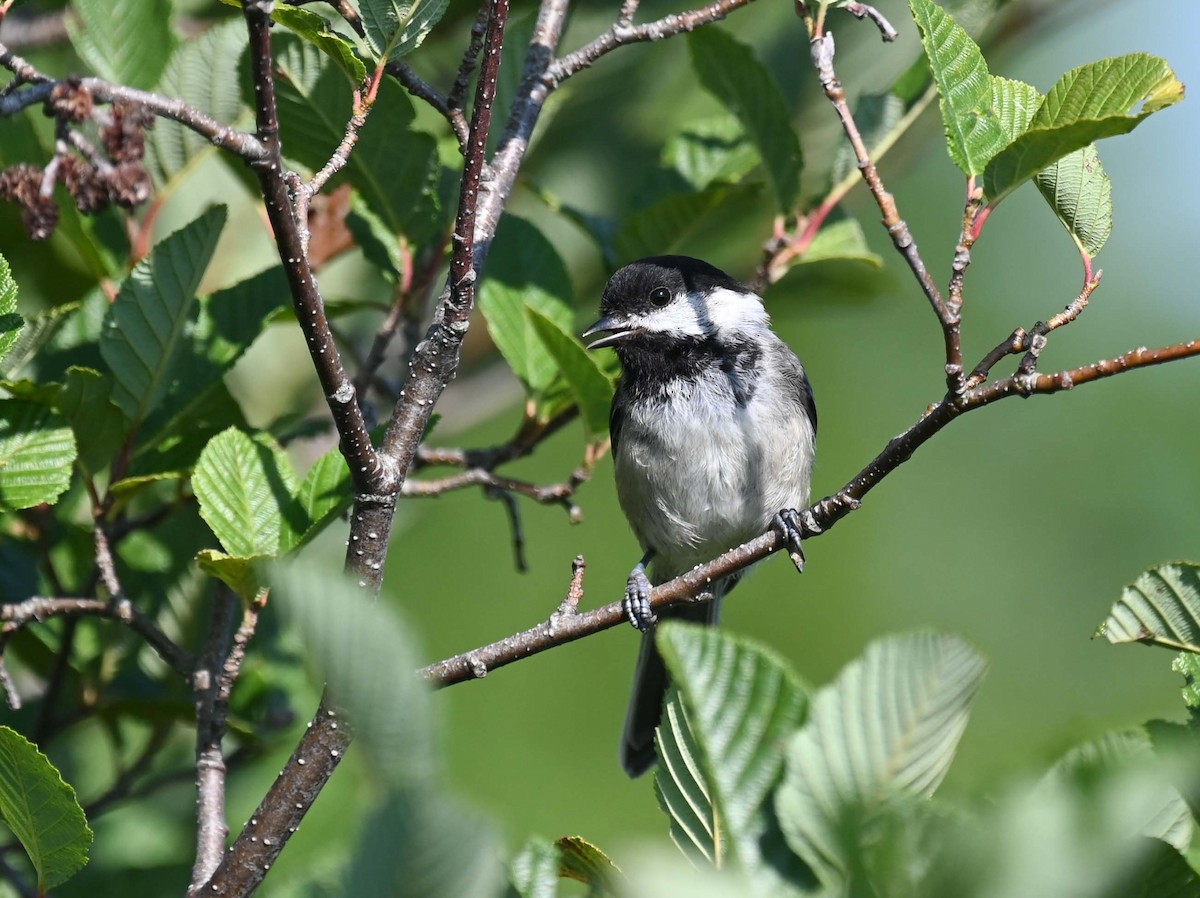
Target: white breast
696, 478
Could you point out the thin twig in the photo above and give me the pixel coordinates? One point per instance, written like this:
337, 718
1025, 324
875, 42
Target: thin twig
14, 617
422, 90
822, 54
457, 95
40, 86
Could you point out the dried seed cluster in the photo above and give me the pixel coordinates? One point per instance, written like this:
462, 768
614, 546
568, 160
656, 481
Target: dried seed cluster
93, 178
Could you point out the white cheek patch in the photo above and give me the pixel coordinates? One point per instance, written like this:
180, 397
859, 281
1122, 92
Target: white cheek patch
721, 311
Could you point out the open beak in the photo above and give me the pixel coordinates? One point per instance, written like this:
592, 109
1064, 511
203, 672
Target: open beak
616, 328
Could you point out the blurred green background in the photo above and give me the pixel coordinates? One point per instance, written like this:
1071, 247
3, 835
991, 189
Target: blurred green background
1016, 528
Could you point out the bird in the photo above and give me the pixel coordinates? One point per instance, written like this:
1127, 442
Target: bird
713, 433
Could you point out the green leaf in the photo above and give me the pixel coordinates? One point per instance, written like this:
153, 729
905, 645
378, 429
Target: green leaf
366, 656
1014, 103
524, 270
672, 222
31, 340
841, 237
742, 704
973, 132
312, 28
42, 811
37, 450
1079, 191
240, 574
681, 785
323, 495
582, 861
124, 41
1101, 99
395, 28
145, 332
99, 426
1076, 187
378, 242
534, 871
244, 485
886, 728
171, 442
1164, 815
712, 149
11, 323
1187, 665
590, 386
728, 70
231, 319
193, 77
421, 843
1161, 607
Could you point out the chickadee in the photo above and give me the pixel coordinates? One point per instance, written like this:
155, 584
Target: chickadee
713, 436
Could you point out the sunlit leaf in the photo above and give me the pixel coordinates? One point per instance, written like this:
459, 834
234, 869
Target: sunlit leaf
324, 493
524, 269
1161, 607
1101, 99
973, 132
841, 237
240, 574
742, 704
592, 389
395, 28
244, 486
311, 27
888, 726
681, 785
580, 860
11, 323
42, 811
37, 450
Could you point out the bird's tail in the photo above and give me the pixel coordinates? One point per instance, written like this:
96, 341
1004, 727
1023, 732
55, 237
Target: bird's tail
650, 681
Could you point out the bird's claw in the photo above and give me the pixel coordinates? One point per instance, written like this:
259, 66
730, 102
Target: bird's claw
636, 603
787, 525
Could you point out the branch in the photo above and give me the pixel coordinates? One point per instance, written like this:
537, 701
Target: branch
822, 55
371, 473
561, 628
422, 90
622, 33
14, 617
324, 743
240, 143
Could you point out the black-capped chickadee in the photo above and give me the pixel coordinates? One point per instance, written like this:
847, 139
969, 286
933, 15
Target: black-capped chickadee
713, 436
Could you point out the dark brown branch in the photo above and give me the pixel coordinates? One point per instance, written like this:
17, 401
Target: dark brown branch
819, 518
422, 90
370, 472
466, 67
325, 741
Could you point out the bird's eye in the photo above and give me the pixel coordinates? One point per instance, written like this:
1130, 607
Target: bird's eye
660, 296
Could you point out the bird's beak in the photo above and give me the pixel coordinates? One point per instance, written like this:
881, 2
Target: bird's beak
614, 326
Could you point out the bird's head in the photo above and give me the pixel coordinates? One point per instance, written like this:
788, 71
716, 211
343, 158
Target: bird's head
665, 300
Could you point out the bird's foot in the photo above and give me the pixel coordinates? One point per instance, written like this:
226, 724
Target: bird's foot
636, 603
787, 525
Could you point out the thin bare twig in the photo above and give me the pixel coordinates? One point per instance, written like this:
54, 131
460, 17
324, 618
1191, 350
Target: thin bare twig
466, 67
422, 90
822, 54
14, 617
